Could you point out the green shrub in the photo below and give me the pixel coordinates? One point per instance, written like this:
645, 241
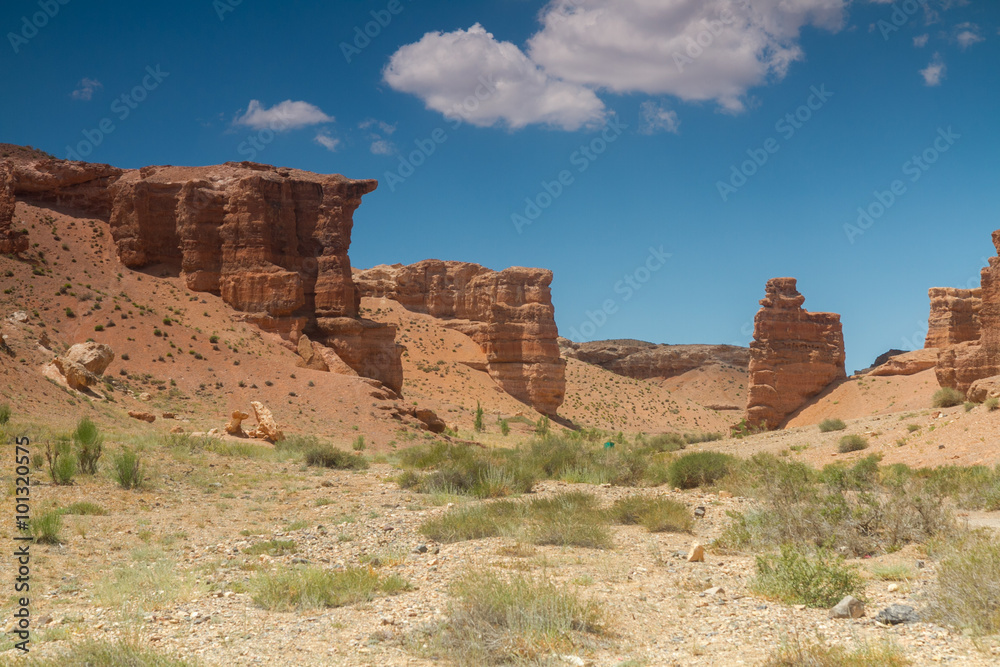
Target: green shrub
657, 515
828, 425
795, 578
570, 519
271, 548
694, 438
84, 508
128, 652
876, 654
966, 594
912, 428
542, 426
127, 469
327, 456
45, 529
992, 403
520, 620
698, 469
947, 397
90, 445
4, 414
504, 427
62, 464
473, 522
359, 444
666, 442
479, 418
306, 588
852, 443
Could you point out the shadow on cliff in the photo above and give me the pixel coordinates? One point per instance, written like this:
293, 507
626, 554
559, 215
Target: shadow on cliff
830, 388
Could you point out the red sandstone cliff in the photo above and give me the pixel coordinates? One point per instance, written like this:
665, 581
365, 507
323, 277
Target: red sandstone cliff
508, 313
641, 360
271, 241
963, 363
954, 316
794, 355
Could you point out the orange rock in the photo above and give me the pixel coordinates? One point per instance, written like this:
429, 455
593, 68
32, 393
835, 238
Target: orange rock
142, 416
234, 427
794, 355
508, 313
954, 316
267, 428
641, 360
907, 363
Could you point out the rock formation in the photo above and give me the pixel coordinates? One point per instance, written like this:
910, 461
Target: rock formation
84, 363
641, 360
267, 429
508, 313
235, 424
906, 363
961, 364
142, 416
271, 241
794, 355
954, 316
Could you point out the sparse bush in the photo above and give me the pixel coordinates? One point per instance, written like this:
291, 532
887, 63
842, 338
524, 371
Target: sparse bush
90, 445
897, 572
62, 464
704, 436
992, 403
912, 428
833, 424
127, 469
45, 529
657, 515
479, 418
271, 548
84, 508
504, 427
795, 578
542, 426
473, 522
4, 414
127, 652
521, 620
967, 592
876, 654
314, 588
666, 442
69, 312
947, 397
698, 469
570, 519
969, 405
852, 443
359, 444
327, 456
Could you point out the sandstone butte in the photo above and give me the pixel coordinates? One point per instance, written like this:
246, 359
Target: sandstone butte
508, 313
794, 355
976, 357
954, 316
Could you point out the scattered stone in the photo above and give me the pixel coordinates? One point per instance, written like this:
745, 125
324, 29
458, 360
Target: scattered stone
144, 396
699, 512
142, 416
168, 415
849, 607
697, 554
896, 614
177, 429
893, 588
715, 590
420, 549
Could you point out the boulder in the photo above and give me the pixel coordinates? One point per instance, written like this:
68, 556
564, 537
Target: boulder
308, 358
907, 363
849, 607
142, 416
333, 362
980, 390
697, 554
794, 355
896, 614
234, 426
95, 357
75, 375
267, 429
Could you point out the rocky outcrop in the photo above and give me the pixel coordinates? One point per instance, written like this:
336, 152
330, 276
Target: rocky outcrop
954, 316
267, 429
83, 364
142, 416
906, 363
508, 313
272, 242
980, 390
794, 355
235, 424
960, 365
641, 360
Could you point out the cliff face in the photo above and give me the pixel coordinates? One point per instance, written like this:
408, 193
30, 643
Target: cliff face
794, 355
954, 316
272, 242
508, 313
961, 364
641, 360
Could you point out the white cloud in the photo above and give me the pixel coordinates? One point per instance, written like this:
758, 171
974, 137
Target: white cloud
656, 118
920, 41
934, 72
382, 147
381, 125
288, 115
968, 35
86, 89
697, 50
324, 139
469, 75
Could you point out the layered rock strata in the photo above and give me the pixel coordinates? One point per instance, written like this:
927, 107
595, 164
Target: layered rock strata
641, 360
794, 355
954, 316
508, 313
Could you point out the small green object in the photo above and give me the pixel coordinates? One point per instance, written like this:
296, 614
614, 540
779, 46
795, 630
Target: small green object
609, 445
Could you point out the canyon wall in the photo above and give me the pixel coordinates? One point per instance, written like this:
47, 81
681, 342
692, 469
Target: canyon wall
954, 316
508, 313
641, 360
272, 242
794, 355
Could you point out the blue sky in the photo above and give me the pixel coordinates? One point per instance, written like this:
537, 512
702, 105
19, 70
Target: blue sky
647, 111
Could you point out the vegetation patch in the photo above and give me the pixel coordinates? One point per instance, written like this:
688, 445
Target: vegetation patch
657, 515
793, 577
834, 424
305, 588
967, 592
